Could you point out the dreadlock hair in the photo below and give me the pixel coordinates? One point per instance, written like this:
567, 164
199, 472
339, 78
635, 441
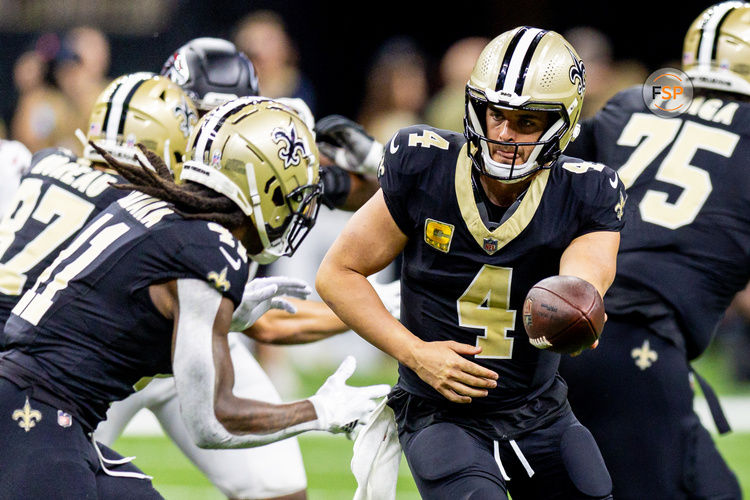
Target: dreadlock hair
191, 200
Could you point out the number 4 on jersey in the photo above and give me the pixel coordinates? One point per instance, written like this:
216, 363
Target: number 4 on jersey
484, 305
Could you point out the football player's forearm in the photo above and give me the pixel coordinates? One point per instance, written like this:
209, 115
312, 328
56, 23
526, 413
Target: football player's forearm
204, 379
353, 299
313, 321
369, 242
592, 257
243, 416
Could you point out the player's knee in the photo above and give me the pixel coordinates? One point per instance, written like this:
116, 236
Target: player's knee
584, 463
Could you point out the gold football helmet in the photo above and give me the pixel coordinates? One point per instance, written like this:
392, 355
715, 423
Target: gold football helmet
716, 53
141, 108
260, 154
525, 69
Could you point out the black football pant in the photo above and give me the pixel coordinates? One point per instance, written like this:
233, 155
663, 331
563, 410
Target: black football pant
560, 461
634, 393
46, 454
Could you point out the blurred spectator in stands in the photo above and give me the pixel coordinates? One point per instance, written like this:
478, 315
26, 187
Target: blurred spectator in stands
29, 71
90, 79
396, 89
28, 74
604, 76
445, 110
262, 36
44, 115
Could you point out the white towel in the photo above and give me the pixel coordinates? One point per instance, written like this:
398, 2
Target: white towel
377, 455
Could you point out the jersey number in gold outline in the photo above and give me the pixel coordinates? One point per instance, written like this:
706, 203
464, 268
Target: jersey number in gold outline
484, 305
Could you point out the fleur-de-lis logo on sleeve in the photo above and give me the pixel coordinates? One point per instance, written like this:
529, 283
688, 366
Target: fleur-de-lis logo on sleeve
27, 417
219, 280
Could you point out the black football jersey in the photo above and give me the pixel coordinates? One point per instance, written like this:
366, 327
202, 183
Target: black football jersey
55, 199
686, 246
88, 330
463, 282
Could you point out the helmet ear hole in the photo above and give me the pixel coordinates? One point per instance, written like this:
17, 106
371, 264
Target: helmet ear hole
163, 95
278, 197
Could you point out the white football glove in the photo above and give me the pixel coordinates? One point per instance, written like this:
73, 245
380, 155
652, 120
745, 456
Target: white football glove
262, 294
339, 406
390, 295
348, 145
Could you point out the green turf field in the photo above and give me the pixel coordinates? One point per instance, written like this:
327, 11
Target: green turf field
327, 457
327, 463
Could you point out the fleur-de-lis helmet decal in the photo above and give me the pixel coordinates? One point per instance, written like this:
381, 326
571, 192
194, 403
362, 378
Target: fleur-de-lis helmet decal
577, 72
260, 154
294, 148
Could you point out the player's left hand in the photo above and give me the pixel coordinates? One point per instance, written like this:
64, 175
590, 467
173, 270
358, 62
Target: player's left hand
263, 294
348, 145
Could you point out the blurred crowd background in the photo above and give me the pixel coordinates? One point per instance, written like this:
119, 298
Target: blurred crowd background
385, 64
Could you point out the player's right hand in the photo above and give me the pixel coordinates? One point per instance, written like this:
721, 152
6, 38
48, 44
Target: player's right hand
442, 365
263, 294
338, 405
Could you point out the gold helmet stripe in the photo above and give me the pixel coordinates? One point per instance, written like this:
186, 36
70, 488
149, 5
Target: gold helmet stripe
515, 67
710, 28
114, 119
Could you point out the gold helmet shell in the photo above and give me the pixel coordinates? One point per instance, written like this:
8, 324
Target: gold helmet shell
260, 154
141, 108
525, 69
716, 53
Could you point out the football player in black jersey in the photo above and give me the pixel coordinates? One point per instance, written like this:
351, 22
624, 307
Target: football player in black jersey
480, 219
683, 256
152, 285
212, 71
61, 193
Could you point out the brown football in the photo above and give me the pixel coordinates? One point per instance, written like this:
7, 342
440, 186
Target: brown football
563, 314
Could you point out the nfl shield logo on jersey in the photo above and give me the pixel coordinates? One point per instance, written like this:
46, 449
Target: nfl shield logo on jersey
64, 419
490, 245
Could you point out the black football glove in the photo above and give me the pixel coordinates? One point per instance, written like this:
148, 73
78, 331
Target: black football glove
348, 145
